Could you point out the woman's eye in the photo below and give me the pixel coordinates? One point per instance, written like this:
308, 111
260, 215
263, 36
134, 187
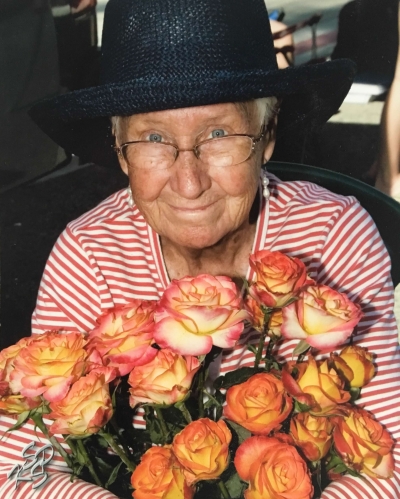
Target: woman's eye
155, 137
216, 134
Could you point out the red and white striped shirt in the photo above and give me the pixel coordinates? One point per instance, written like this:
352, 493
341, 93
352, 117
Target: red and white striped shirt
110, 255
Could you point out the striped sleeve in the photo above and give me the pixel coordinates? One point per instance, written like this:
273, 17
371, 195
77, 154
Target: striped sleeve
355, 261
69, 295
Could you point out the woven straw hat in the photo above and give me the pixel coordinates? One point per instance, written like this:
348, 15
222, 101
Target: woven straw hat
167, 54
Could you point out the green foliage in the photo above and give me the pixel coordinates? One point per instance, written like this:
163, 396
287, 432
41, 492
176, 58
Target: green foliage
301, 347
235, 377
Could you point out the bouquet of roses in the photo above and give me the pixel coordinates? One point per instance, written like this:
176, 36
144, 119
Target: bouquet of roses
269, 429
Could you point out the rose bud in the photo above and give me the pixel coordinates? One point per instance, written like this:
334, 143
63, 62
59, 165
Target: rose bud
202, 449
322, 317
278, 278
159, 475
257, 316
275, 323
125, 335
317, 386
274, 469
164, 380
312, 435
355, 364
364, 445
196, 313
49, 364
259, 404
86, 408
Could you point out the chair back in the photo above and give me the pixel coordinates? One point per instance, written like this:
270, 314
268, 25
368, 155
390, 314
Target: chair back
384, 210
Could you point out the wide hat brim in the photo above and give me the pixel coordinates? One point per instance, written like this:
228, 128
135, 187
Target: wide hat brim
79, 121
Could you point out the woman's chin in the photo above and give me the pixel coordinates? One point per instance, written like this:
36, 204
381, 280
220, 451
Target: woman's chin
195, 238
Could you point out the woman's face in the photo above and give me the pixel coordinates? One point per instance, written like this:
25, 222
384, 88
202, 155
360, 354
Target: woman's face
191, 204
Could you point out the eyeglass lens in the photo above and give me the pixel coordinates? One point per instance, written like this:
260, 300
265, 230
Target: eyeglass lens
222, 152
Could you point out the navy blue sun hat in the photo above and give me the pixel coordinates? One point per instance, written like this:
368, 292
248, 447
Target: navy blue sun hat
168, 54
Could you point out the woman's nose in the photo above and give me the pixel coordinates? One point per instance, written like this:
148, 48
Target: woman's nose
190, 177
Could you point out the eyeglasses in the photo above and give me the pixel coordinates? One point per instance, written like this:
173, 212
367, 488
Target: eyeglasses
226, 151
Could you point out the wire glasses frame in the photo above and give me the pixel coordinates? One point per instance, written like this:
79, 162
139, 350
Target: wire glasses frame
225, 151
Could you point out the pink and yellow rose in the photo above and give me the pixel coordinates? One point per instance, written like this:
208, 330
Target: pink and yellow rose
164, 380
125, 335
355, 364
259, 404
160, 476
86, 408
364, 445
279, 278
313, 435
49, 364
274, 469
322, 317
318, 386
17, 404
202, 449
196, 313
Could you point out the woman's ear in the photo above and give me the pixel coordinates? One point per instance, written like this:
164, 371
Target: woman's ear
270, 138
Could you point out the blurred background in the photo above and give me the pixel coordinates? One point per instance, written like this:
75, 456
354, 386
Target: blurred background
49, 48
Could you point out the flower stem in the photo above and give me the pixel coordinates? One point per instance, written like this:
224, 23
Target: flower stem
261, 342
117, 449
212, 398
161, 420
185, 412
88, 463
224, 490
120, 435
37, 419
201, 388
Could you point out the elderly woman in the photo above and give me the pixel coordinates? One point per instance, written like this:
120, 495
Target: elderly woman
189, 105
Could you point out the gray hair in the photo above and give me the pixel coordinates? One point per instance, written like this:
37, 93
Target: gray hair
265, 108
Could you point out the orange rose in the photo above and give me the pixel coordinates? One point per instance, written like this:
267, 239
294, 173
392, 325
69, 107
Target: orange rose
202, 449
49, 364
159, 475
125, 335
364, 445
274, 470
164, 380
322, 317
355, 364
278, 277
317, 386
86, 408
312, 434
259, 404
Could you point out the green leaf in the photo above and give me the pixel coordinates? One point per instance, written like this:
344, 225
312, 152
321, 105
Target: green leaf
235, 377
113, 475
252, 349
235, 486
241, 432
355, 393
299, 407
22, 418
302, 346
